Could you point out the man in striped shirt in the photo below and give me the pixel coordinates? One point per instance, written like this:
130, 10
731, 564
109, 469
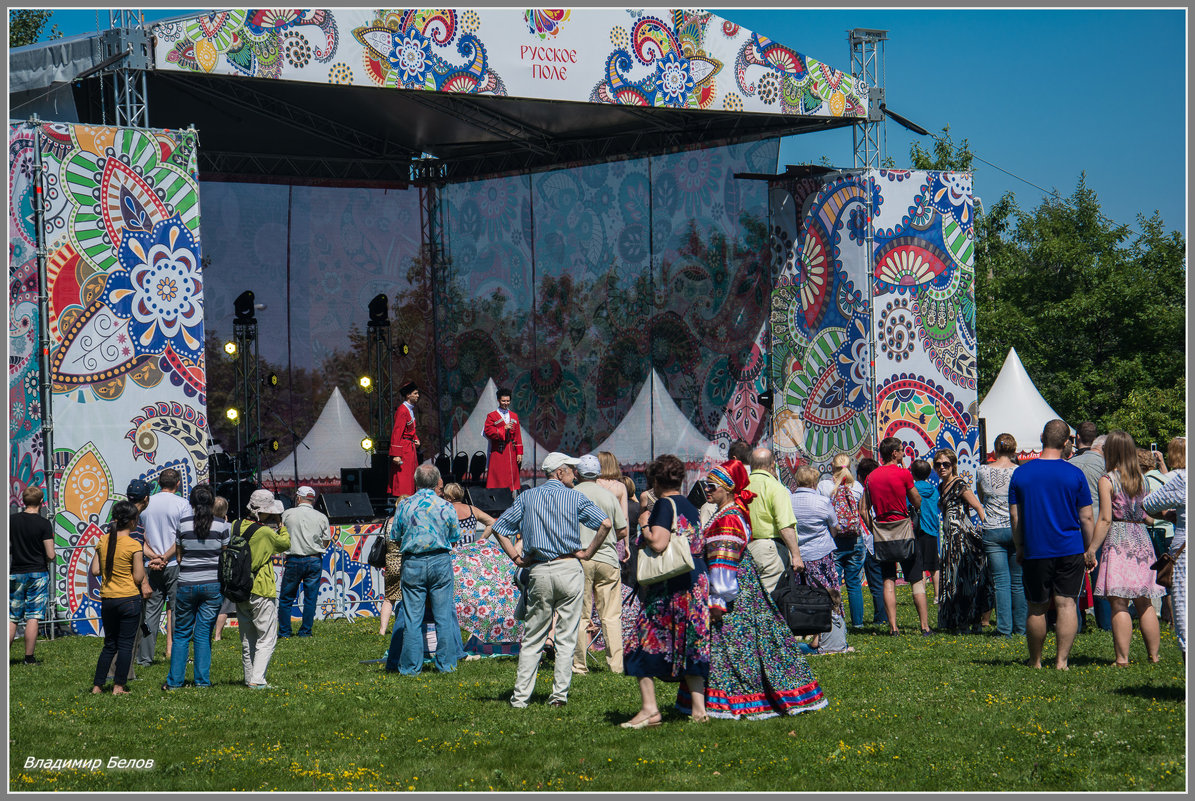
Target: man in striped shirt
546, 522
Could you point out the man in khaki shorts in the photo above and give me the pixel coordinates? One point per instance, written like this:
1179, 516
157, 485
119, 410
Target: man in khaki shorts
773, 543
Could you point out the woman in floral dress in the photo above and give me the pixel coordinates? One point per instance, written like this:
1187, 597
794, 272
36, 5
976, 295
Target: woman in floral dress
966, 584
671, 640
1124, 573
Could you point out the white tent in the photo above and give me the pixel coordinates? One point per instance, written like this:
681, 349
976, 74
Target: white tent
471, 437
332, 443
1014, 406
653, 426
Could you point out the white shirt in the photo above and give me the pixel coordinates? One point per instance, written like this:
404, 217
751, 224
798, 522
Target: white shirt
410, 408
162, 520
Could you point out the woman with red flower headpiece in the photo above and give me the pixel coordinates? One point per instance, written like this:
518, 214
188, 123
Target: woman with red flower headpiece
756, 668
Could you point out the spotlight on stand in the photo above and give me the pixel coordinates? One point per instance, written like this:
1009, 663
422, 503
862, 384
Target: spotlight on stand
379, 311
272, 379
367, 444
243, 307
765, 399
230, 348
404, 349
274, 445
232, 414
366, 383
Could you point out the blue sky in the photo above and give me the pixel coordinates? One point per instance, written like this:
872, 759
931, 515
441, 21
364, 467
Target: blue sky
1046, 95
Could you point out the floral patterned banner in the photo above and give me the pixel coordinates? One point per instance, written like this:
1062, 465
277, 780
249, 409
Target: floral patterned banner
677, 58
912, 295
25, 444
121, 229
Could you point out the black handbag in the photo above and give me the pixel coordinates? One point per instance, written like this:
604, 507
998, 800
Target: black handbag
805, 608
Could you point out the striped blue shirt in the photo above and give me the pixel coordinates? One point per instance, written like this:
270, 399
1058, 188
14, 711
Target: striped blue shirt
547, 517
199, 560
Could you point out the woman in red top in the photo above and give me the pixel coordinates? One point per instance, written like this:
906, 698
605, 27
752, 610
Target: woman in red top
403, 442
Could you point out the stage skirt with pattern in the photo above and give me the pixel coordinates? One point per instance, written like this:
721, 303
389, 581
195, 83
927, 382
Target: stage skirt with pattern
756, 667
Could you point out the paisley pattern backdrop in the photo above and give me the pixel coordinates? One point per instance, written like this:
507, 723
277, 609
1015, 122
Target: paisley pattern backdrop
680, 58
568, 286
26, 463
911, 298
127, 364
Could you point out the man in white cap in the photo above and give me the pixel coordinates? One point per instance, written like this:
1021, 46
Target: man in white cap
310, 535
603, 581
545, 521
257, 618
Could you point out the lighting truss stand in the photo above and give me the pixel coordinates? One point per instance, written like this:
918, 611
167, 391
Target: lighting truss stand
247, 383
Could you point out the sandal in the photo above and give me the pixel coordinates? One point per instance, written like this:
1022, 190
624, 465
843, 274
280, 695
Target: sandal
648, 722
702, 719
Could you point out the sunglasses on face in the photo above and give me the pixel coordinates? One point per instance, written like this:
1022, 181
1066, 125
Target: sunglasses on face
940, 465
708, 486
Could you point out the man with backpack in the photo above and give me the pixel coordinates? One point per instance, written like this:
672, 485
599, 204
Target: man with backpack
247, 578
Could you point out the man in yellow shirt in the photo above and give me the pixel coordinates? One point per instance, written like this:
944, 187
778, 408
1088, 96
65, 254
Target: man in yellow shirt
773, 543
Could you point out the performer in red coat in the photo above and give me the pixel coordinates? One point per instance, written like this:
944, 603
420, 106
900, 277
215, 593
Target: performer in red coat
505, 442
403, 441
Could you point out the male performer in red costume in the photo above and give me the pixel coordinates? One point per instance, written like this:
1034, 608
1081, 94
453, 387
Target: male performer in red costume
505, 442
403, 459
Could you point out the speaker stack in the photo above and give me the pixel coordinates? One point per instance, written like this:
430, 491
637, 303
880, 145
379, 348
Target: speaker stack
345, 507
491, 501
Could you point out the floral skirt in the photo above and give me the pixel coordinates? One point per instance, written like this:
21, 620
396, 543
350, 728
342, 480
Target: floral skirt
824, 573
1124, 564
756, 667
671, 637
485, 596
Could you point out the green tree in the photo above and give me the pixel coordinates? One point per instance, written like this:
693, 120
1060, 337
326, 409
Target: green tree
25, 26
945, 154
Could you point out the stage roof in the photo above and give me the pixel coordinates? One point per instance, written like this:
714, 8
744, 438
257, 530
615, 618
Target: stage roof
361, 95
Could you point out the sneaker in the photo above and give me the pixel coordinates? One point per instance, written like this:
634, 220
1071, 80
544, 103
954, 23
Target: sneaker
30, 659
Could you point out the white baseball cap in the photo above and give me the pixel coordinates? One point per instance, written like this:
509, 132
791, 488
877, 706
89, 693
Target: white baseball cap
556, 460
305, 492
589, 466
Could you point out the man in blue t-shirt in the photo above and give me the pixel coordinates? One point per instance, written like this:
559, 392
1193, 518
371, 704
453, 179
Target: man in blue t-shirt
1052, 525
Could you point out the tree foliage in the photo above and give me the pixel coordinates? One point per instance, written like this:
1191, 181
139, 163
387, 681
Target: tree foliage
25, 26
1095, 310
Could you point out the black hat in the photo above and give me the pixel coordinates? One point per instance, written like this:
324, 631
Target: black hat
407, 388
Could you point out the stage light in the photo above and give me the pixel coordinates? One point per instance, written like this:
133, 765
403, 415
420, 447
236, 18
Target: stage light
272, 379
367, 444
274, 445
243, 307
404, 349
232, 414
766, 399
379, 311
230, 348
366, 383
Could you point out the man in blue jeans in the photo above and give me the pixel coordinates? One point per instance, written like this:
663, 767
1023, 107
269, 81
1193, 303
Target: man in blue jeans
310, 535
426, 528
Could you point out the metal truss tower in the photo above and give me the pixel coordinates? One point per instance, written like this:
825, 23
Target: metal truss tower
867, 65
128, 36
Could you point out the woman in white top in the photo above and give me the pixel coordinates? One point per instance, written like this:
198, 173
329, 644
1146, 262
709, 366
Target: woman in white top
991, 484
816, 525
849, 550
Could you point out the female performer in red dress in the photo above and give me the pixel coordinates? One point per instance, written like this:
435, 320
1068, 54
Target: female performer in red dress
403, 459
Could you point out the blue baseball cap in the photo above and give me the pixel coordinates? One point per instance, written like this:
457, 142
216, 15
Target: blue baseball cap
138, 490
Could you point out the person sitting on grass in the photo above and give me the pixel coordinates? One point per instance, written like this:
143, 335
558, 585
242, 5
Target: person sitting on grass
118, 561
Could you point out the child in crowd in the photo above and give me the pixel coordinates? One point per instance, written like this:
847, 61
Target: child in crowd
220, 512
931, 521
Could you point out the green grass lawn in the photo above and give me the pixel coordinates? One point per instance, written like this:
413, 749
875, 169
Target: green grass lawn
944, 713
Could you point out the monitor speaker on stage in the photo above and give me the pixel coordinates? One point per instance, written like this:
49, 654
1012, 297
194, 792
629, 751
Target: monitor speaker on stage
347, 507
491, 501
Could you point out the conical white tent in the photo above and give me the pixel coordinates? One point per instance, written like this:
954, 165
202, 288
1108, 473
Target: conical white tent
654, 425
332, 443
471, 437
1014, 406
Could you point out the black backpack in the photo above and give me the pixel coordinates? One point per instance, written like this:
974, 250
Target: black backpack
236, 563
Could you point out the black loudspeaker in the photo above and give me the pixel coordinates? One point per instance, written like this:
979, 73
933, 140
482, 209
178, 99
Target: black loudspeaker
352, 480
347, 507
491, 501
